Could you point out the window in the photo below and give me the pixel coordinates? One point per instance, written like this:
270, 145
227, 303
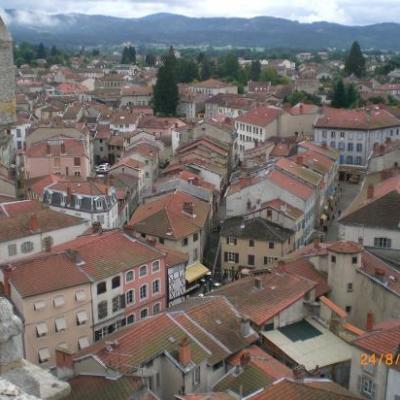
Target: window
161, 240
81, 318
348, 309
383, 242
58, 301
77, 173
251, 243
102, 310
342, 134
350, 146
116, 282
143, 270
41, 329
195, 237
367, 386
99, 334
269, 213
268, 260
354, 260
324, 134
333, 259
195, 254
250, 259
130, 297
156, 286
39, 305
231, 240
341, 146
143, 313
333, 134
130, 319
80, 295
359, 147
83, 342
60, 324
333, 144
27, 247
143, 292
12, 250
77, 161
44, 355
101, 287
349, 287
155, 267
116, 304
271, 245
129, 276
185, 242
156, 308
196, 375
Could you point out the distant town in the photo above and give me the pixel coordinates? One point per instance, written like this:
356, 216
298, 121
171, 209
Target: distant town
186, 224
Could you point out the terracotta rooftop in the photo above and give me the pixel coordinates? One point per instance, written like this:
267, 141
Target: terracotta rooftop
345, 247
52, 147
212, 84
166, 217
260, 116
277, 292
44, 274
284, 208
335, 308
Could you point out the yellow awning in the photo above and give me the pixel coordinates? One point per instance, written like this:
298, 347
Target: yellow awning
195, 271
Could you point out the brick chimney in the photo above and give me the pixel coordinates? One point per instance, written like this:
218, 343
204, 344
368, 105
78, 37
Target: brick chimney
64, 363
370, 321
245, 359
185, 352
6, 277
299, 159
33, 223
188, 207
370, 191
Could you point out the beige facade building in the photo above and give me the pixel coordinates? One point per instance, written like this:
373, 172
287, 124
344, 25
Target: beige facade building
53, 297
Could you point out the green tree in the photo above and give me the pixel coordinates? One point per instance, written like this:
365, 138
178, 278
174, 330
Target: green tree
271, 75
355, 62
187, 70
53, 51
229, 67
125, 56
132, 54
41, 51
166, 97
150, 60
339, 99
205, 69
352, 97
255, 70
302, 97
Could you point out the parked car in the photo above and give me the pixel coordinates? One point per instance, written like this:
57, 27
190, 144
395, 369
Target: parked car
103, 168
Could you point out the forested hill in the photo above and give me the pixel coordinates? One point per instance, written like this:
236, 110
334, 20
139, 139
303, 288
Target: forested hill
266, 32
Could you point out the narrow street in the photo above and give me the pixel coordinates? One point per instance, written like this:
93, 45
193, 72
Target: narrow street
349, 192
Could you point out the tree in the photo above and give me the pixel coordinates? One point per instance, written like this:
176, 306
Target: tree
269, 74
352, 96
150, 60
255, 70
187, 70
165, 100
205, 69
302, 97
229, 67
125, 56
339, 95
128, 55
355, 62
53, 51
41, 51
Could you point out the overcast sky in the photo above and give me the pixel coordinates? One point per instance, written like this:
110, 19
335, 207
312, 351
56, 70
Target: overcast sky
349, 12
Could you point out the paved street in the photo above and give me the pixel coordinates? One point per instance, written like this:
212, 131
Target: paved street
349, 192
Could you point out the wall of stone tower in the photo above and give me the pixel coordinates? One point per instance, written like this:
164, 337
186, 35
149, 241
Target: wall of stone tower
7, 81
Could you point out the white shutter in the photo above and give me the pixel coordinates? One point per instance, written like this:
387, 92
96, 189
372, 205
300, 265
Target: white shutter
42, 329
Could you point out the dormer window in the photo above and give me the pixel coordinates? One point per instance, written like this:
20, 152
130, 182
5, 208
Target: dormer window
98, 203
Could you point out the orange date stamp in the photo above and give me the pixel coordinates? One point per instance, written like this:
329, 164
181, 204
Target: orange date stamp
388, 359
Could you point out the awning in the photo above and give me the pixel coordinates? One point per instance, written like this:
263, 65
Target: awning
324, 217
82, 317
44, 355
83, 343
195, 272
59, 301
61, 325
42, 329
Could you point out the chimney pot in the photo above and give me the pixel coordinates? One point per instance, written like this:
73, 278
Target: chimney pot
299, 160
33, 223
370, 321
185, 352
370, 191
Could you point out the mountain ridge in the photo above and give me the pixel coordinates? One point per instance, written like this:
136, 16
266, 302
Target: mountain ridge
71, 30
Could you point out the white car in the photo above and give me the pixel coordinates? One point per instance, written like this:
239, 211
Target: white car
103, 167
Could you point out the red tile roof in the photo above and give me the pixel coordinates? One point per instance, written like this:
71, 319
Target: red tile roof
381, 340
290, 184
172, 257
212, 84
109, 253
278, 291
80, 186
335, 308
303, 108
129, 162
37, 185
260, 116
362, 119
284, 208
44, 274
164, 217
73, 147
345, 247
15, 208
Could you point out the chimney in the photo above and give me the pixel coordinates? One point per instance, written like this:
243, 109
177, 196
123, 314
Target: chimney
185, 352
370, 191
96, 227
245, 359
64, 363
380, 274
6, 276
299, 373
370, 321
33, 223
244, 326
299, 160
258, 283
361, 240
47, 243
62, 148
188, 207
